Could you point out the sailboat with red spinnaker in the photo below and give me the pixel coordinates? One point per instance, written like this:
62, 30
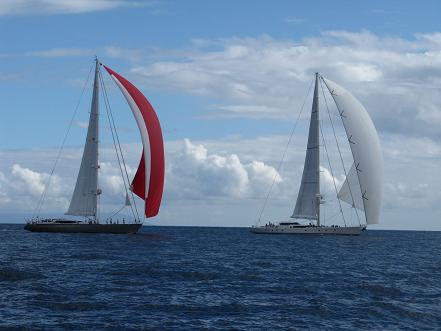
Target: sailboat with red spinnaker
147, 184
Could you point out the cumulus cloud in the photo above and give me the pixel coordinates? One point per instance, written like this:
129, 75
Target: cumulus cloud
49, 7
330, 182
193, 173
4, 199
397, 79
27, 180
226, 180
198, 174
21, 187
111, 181
409, 164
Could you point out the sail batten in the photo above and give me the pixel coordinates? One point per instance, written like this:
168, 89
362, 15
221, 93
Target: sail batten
84, 198
308, 204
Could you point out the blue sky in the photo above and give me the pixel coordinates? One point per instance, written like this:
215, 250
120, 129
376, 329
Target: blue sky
223, 74
171, 25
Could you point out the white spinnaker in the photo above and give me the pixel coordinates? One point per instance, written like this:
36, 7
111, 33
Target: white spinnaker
365, 148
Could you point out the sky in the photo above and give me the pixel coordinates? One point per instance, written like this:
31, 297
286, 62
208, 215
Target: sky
228, 80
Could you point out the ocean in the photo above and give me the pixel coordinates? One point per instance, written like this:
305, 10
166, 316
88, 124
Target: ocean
189, 278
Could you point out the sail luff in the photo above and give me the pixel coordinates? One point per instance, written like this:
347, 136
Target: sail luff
84, 198
308, 204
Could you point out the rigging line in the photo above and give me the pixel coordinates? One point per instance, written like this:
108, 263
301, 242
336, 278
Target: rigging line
107, 105
120, 150
323, 213
284, 153
117, 212
332, 172
46, 186
98, 212
339, 151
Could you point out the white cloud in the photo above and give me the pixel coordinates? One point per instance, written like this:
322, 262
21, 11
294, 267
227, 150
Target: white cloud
110, 178
21, 188
225, 181
198, 174
396, 79
49, 7
329, 182
4, 199
193, 173
81, 124
410, 185
28, 180
124, 53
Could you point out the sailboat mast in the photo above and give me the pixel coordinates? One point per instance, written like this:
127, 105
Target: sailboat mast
316, 114
96, 110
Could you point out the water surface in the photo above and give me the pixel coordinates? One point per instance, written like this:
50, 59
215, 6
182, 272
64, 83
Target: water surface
219, 278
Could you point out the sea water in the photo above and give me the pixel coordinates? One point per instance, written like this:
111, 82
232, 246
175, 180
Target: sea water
219, 278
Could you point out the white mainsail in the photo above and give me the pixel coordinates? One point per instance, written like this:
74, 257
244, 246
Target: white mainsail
365, 148
308, 199
84, 198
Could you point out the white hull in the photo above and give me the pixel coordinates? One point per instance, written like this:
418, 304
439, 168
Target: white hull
328, 230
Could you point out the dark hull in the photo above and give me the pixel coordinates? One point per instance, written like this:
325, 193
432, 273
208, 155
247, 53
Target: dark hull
84, 228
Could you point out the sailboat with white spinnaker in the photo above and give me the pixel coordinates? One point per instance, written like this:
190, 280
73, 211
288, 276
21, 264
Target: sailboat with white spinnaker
363, 184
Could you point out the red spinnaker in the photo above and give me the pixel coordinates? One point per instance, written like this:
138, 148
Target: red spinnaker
150, 174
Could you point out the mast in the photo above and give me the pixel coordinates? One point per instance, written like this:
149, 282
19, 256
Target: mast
315, 105
309, 198
84, 200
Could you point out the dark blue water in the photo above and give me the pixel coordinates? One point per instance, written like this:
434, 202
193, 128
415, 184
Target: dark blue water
219, 278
